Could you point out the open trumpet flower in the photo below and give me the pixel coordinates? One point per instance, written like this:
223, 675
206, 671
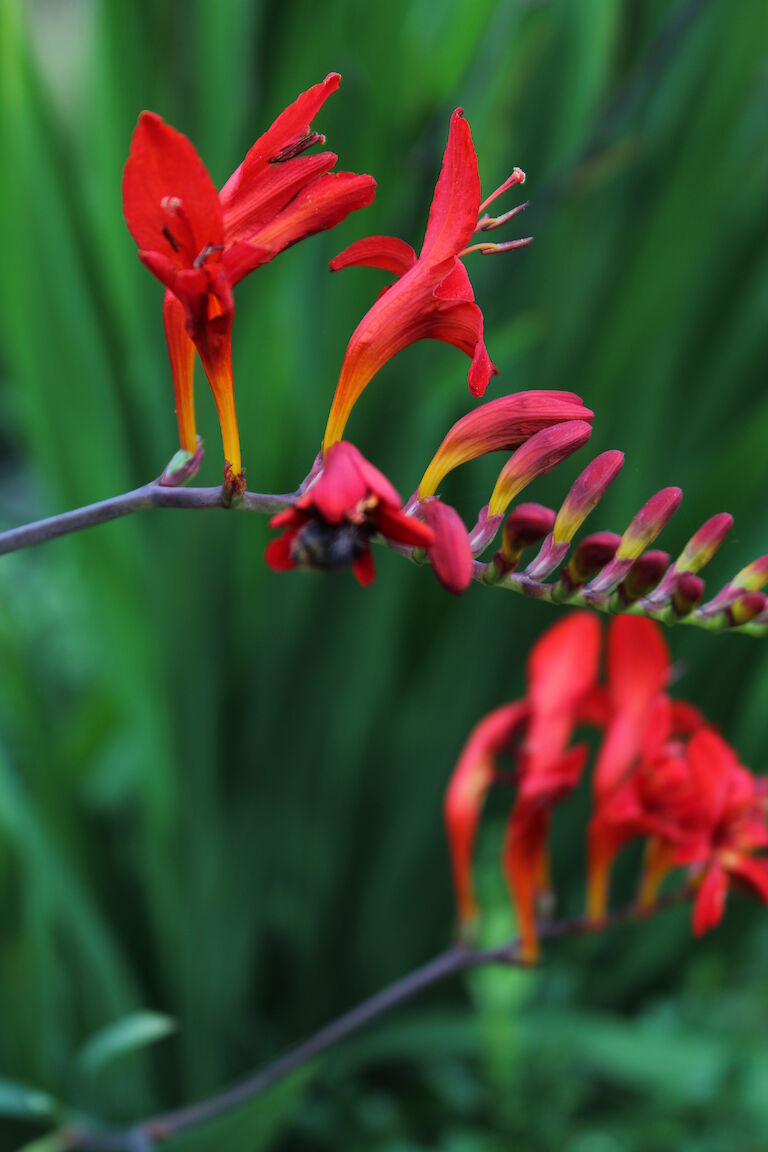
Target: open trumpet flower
432, 297
200, 243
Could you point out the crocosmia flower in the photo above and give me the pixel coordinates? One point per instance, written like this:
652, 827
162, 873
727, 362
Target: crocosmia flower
200, 242
432, 297
330, 526
535, 733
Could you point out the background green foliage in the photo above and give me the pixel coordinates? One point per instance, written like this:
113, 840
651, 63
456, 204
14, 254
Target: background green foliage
220, 789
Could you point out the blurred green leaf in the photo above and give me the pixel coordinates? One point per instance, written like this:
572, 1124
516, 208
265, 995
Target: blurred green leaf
25, 1103
123, 1038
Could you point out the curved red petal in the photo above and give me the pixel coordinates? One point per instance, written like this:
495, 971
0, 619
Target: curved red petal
710, 899
322, 204
278, 552
364, 569
170, 203
456, 201
293, 123
468, 787
396, 526
563, 664
386, 252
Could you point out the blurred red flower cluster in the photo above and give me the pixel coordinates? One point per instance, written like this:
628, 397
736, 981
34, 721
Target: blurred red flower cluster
661, 773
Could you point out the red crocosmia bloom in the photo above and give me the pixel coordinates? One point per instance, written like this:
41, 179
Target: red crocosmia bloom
330, 526
432, 297
562, 670
638, 671
200, 242
451, 553
738, 830
473, 776
670, 794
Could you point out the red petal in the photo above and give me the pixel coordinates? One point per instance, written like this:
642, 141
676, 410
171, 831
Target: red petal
450, 554
710, 899
467, 790
456, 202
562, 665
455, 286
638, 670
364, 569
376, 482
287, 517
322, 204
278, 552
638, 661
712, 767
289, 126
462, 326
167, 192
340, 486
259, 201
385, 252
396, 526
752, 871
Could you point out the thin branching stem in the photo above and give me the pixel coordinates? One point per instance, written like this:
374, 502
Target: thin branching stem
155, 495
152, 495
145, 1135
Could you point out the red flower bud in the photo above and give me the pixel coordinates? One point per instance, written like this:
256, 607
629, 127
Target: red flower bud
450, 553
746, 608
591, 556
688, 593
644, 575
526, 525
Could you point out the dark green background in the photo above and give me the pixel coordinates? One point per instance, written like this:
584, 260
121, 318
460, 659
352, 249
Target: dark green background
220, 788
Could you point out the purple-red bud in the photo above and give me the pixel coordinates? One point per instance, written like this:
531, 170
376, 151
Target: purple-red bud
648, 522
526, 525
591, 556
688, 593
642, 531
644, 575
586, 493
703, 544
746, 608
539, 455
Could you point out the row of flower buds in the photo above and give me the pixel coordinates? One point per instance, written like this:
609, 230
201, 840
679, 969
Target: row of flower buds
661, 774
606, 571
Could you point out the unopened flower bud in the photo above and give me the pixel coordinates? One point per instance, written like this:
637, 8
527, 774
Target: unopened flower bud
648, 522
703, 544
591, 556
749, 579
698, 551
688, 593
182, 467
526, 525
642, 531
500, 425
536, 457
746, 608
450, 554
644, 575
586, 494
